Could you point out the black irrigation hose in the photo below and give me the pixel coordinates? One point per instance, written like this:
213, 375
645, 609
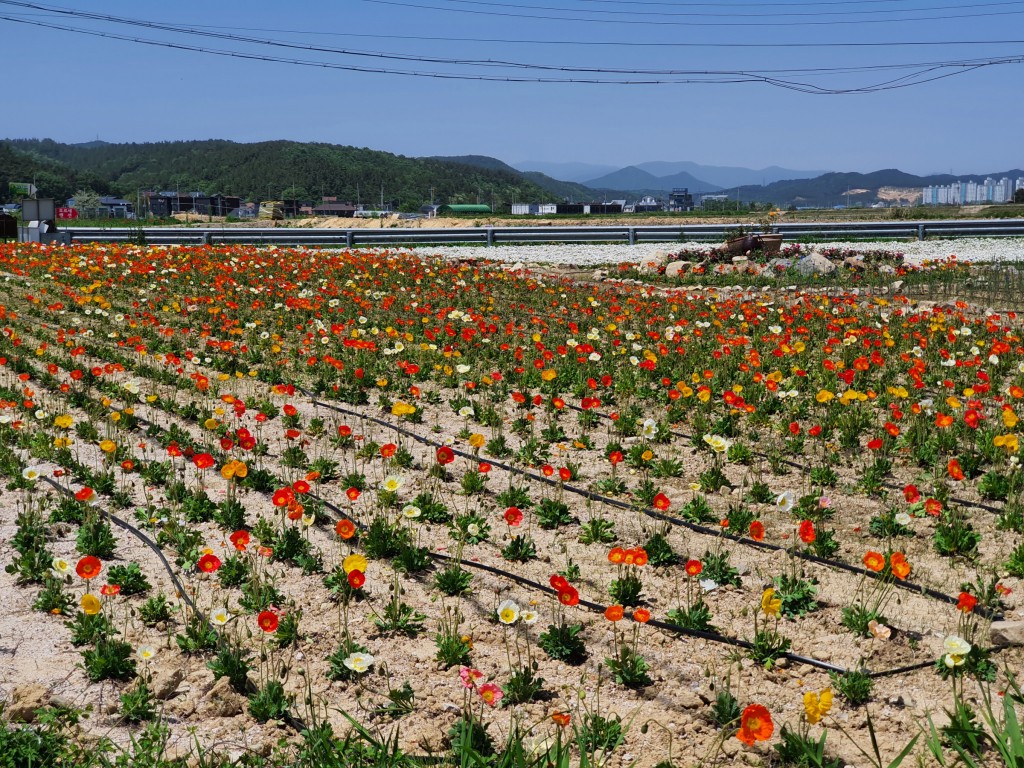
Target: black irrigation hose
804, 468
710, 636
695, 527
597, 607
291, 719
125, 525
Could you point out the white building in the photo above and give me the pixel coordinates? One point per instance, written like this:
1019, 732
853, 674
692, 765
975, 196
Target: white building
971, 192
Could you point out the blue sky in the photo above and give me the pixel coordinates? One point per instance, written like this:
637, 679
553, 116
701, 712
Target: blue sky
73, 87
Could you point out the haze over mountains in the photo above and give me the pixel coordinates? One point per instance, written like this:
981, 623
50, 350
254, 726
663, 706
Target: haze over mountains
661, 174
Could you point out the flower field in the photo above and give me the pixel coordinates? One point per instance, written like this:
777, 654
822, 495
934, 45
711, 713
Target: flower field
298, 507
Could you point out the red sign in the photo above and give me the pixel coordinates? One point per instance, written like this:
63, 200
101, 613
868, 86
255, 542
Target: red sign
67, 213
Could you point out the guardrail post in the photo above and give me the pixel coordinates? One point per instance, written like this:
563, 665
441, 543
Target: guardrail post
632, 235
920, 231
490, 236
349, 239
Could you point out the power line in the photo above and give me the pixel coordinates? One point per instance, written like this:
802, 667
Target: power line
563, 43
492, 63
746, 14
928, 73
535, 17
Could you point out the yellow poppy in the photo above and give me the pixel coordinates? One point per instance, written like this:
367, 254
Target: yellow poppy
355, 562
108, 446
816, 706
90, 604
770, 604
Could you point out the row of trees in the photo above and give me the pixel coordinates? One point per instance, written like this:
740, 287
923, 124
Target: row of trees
285, 170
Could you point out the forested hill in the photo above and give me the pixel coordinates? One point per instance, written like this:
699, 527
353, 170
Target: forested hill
270, 169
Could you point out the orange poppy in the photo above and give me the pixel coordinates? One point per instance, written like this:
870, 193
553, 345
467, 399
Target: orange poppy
614, 612
641, 615
345, 528
755, 725
89, 567
874, 561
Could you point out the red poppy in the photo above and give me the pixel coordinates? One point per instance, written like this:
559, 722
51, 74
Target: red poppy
85, 494
240, 540
615, 457
268, 621
283, 497
514, 516
933, 507
484, 467
967, 602
89, 567
694, 567
290, 410
547, 470
794, 428
954, 470
911, 494
559, 582
209, 563
110, 589
757, 530
661, 502
641, 615
561, 719
344, 430
352, 493
569, 596
807, 534
388, 450
564, 474
617, 555
875, 444
203, 460
445, 455
345, 528
356, 579
300, 486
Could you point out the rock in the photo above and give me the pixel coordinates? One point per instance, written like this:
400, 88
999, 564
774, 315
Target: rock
780, 265
222, 700
165, 682
897, 286
740, 259
25, 700
1007, 633
676, 268
886, 269
689, 699
814, 264
599, 275
854, 263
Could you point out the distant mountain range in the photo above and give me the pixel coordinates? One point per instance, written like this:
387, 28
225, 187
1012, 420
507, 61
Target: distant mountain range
704, 178
781, 186
307, 171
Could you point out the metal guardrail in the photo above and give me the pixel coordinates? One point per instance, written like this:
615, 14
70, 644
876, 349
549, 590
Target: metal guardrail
351, 238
